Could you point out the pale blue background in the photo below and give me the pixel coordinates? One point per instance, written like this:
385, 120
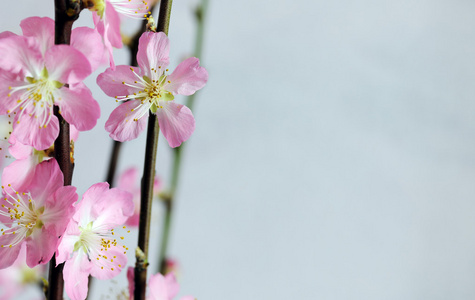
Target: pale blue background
334, 151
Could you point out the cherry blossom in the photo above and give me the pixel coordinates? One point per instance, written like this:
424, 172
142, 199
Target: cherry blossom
35, 214
31, 83
150, 88
90, 245
159, 287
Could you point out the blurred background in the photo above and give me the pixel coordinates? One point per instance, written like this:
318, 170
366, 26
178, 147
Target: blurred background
334, 150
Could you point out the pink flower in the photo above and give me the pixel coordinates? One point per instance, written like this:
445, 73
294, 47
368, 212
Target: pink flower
31, 83
18, 277
150, 88
89, 246
107, 19
129, 181
35, 214
160, 287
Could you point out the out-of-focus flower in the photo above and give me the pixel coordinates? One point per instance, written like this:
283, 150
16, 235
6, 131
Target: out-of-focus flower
150, 88
159, 287
107, 19
35, 214
129, 181
32, 83
18, 277
89, 245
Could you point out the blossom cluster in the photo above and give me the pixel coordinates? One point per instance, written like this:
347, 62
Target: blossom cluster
40, 217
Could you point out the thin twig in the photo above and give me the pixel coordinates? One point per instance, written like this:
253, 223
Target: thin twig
146, 193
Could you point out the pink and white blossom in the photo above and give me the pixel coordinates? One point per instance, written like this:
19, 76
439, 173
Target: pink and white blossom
159, 287
90, 246
107, 14
149, 88
31, 83
35, 214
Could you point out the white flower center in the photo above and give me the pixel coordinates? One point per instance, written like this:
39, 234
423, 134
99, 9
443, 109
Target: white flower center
23, 213
38, 99
150, 91
95, 242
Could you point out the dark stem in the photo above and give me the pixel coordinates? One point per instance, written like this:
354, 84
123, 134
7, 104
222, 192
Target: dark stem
146, 192
66, 12
200, 15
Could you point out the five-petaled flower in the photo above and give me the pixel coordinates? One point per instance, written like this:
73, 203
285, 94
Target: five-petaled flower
32, 82
160, 287
90, 245
36, 213
150, 88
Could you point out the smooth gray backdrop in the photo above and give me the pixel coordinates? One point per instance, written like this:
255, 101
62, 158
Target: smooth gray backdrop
334, 151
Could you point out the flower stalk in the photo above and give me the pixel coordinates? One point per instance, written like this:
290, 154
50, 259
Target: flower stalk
66, 12
148, 177
168, 200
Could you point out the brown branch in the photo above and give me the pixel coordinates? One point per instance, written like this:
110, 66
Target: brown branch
148, 177
66, 12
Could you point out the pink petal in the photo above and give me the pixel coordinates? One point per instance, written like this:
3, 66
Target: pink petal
187, 78
75, 274
47, 179
21, 53
162, 288
128, 179
7, 80
111, 81
40, 28
19, 150
108, 206
6, 34
78, 107
176, 122
8, 255
134, 220
130, 280
40, 245
109, 29
66, 245
20, 171
29, 131
172, 285
89, 42
66, 64
73, 133
121, 125
154, 48
59, 209
112, 21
